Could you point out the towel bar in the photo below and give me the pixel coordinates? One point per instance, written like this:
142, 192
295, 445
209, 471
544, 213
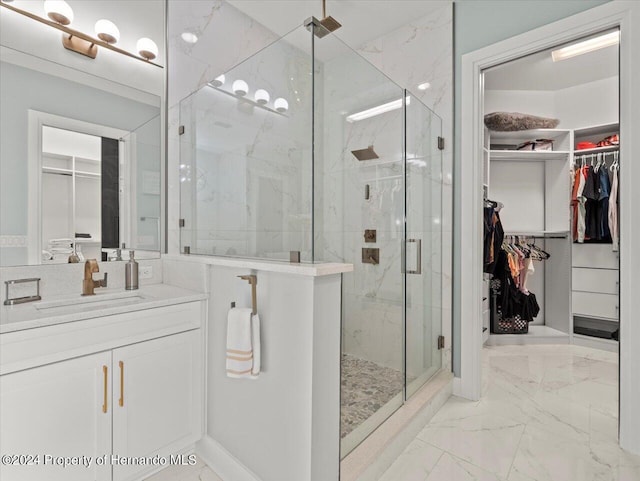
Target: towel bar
252, 279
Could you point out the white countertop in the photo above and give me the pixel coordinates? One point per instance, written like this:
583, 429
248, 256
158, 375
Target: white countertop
302, 269
62, 309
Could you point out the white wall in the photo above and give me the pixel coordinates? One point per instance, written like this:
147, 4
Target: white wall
532, 102
584, 105
589, 104
134, 18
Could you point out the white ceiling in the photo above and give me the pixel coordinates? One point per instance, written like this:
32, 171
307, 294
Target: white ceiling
540, 72
362, 20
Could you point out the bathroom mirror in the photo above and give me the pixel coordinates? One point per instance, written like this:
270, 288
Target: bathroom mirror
80, 155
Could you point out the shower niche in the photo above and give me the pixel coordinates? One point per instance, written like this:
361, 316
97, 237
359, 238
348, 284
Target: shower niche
307, 147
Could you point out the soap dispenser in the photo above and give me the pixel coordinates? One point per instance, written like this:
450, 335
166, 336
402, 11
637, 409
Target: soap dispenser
131, 273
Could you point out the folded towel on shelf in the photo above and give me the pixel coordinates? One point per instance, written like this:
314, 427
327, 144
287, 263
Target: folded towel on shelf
243, 344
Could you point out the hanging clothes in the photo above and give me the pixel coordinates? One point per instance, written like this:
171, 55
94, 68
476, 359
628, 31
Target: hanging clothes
613, 210
592, 194
513, 265
603, 204
594, 200
493, 235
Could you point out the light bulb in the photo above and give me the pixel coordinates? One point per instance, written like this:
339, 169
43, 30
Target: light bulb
281, 105
147, 48
218, 81
189, 37
240, 88
59, 11
107, 31
262, 96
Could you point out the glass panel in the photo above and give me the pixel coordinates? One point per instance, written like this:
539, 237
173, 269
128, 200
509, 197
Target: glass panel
246, 157
145, 164
424, 244
358, 178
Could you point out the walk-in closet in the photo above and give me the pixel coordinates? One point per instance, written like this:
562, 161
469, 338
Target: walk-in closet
551, 174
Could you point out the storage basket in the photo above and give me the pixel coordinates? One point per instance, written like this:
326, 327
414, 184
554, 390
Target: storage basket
512, 325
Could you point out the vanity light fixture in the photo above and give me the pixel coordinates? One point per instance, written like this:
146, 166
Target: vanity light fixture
218, 81
262, 96
281, 105
59, 11
107, 31
380, 109
240, 88
586, 46
147, 48
61, 16
189, 37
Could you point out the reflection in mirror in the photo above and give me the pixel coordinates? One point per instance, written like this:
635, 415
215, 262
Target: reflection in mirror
80, 165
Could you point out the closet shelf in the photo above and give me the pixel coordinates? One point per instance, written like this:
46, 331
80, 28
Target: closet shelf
610, 148
529, 155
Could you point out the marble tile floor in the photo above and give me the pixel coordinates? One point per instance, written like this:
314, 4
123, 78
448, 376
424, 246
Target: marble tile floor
547, 413
366, 387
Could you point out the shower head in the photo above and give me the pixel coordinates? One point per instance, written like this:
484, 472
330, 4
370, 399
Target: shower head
330, 24
323, 27
365, 154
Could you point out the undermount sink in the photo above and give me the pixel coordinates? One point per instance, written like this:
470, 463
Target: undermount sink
88, 303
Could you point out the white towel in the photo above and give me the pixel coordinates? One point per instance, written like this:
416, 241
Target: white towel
255, 339
243, 344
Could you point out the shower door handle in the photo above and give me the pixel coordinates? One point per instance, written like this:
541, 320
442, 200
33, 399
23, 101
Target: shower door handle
418, 269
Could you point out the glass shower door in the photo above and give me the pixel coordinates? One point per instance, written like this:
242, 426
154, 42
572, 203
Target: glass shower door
423, 247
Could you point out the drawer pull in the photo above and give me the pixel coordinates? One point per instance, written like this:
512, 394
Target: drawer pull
121, 400
105, 370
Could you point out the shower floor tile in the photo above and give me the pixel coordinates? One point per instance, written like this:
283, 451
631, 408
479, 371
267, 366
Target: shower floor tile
366, 387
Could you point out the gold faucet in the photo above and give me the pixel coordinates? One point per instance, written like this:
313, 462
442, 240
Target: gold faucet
88, 284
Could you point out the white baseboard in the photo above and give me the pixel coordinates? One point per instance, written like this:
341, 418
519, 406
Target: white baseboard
457, 387
222, 462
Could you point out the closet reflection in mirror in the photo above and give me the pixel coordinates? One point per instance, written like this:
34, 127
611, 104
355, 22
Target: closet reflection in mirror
80, 165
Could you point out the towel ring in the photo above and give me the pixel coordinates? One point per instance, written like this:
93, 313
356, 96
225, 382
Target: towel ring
252, 279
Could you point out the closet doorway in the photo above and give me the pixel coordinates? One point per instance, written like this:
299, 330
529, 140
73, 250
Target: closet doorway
551, 274
550, 176
476, 153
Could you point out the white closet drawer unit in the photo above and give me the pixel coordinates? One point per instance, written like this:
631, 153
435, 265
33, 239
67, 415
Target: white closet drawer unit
604, 281
599, 256
595, 305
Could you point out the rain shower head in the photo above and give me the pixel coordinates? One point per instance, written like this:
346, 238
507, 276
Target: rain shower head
323, 27
365, 154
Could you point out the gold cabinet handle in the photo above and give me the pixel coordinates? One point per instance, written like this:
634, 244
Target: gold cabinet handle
121, 400
104, 403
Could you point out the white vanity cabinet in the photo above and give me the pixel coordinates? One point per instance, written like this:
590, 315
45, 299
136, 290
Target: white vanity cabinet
57, 410
157, 398
140, 395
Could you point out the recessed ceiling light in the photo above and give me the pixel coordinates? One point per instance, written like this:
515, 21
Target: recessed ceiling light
590, 45
424, 86
189, 37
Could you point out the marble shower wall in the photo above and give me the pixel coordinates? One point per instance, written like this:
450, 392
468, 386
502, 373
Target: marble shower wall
372, 294
246, 170
226, 37
412, 55
416, 53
